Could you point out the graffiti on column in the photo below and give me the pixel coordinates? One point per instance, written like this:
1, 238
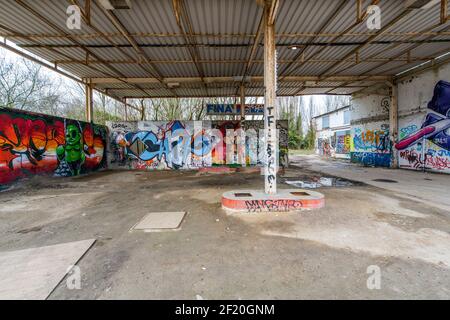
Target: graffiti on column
32, 144
271, 162
428, 147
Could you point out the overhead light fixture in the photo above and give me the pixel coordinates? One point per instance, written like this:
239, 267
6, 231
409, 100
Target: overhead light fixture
173, 84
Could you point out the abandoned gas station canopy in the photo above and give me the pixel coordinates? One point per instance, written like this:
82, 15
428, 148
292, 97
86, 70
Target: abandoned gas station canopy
206, 48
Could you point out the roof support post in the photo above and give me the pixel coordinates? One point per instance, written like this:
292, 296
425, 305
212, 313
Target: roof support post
393, 123
126, 108
358, 11
270, 128
242, 100
89, 102
444, 7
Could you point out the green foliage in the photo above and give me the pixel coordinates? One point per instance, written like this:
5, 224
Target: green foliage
295, 134
310, 137
295, 139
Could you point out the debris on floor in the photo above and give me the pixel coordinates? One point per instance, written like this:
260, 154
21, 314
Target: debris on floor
317, 182
304, 184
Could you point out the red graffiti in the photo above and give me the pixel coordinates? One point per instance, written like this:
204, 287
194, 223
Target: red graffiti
28, 144
272, 205
438, 163
24, 146
418, 160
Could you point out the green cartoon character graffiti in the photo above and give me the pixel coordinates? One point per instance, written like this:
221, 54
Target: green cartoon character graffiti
71, 155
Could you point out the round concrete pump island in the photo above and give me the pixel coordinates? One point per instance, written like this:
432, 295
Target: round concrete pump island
284, 200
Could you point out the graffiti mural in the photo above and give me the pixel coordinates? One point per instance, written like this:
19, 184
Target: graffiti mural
160, 145
33, 144
283, 140
219, 153
428, 147
185, 144
326, 146
343, 142
371, 146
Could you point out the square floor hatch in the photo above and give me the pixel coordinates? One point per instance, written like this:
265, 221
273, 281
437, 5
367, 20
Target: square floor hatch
160, 221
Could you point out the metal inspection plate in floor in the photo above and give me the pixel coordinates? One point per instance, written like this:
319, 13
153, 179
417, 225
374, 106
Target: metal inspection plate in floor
160, 221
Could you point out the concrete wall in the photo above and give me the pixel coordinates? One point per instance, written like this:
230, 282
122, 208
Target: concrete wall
177, 144
418, 112
32, 144
424, 124
370, 144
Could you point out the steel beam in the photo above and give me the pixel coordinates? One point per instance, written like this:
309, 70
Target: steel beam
378, 78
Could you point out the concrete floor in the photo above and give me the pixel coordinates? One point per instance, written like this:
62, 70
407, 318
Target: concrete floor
422, 186
304, 255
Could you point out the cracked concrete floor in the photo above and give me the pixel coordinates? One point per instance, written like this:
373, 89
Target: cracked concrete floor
304, 255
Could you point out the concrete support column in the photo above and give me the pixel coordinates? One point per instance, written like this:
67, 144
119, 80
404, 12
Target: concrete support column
126, 108
270, 134
89, 102
393, 123
242, 99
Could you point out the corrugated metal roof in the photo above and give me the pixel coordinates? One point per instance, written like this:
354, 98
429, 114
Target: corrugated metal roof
224, 32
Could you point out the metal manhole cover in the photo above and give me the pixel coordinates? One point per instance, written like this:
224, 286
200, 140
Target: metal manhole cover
160, 221
385, 180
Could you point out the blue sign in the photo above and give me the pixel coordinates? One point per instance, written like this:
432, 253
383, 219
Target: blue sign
234, 109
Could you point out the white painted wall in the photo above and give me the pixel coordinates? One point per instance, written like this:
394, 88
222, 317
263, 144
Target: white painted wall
414, 92
370, 125
336, 120
369, 106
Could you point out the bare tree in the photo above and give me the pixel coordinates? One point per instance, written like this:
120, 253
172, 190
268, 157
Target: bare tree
24, 86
